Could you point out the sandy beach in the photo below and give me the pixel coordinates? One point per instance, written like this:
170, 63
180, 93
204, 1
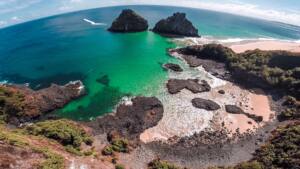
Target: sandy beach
266, 45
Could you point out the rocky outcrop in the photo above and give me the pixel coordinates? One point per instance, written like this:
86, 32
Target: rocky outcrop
176, 25
131, 119
129, 21
205, 104
176, 85
32, 104
173, 66
237, 110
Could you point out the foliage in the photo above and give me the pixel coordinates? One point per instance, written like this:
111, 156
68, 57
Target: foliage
53, 160
64, 131
117, 145
292, 109
283, 149
12, 138
160, 164
244, 165
11, 103
119, 166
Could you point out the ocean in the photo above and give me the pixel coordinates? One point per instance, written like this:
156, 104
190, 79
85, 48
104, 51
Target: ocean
77, 46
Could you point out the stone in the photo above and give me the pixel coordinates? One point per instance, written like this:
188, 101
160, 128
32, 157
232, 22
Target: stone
176, 85
205, 104
177, 25
129, 21
174, 67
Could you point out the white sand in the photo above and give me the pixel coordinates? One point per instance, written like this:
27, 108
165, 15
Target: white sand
266, 45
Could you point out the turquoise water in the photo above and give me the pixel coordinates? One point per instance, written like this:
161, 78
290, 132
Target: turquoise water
62, 48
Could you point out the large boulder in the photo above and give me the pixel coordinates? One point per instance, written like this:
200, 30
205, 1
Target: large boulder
205, 104
129, 21
176, 85
176, 25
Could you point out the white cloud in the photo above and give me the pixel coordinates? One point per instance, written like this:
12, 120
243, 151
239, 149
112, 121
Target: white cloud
3, 23
233, 6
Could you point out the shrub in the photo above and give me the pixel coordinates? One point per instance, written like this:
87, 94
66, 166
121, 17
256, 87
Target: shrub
160, 164
53, 161
283, 149
66, 132
119, 166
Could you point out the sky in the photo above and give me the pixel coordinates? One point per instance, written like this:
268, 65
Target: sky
18, 11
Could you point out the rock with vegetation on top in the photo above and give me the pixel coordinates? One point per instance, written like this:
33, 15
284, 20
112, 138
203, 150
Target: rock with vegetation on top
205, 104
177, 25
129, 21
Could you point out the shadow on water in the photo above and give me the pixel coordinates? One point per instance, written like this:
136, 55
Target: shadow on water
43, 82
100, 103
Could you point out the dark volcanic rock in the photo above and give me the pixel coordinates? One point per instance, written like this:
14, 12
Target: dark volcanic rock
131, 120
236, 110
36, 103
176, 25
221, 91
129, 21
205, 104
176, 85
173, 67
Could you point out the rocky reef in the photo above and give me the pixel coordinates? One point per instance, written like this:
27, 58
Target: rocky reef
176, 25
129, 21
21, 104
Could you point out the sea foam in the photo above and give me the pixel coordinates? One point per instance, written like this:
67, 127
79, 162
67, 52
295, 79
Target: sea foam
94, 23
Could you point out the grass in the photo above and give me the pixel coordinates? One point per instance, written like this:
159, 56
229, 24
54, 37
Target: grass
53, 160
117, 145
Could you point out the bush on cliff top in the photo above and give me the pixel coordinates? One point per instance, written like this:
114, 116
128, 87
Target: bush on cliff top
11, 103
63, 131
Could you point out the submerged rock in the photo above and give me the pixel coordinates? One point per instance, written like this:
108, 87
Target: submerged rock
173, 67
176, 85
205, 104
103, 80
176, 25
129, 21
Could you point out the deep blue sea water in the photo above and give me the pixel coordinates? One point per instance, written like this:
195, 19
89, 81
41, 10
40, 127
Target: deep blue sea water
62, 48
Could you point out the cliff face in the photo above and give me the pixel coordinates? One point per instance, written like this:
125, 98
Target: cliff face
129, 21
177, 25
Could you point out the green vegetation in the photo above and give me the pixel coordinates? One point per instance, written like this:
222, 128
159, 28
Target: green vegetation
119, 166
160, 164
117, 145
68, 133
283, 149
53, 160
292, 109
275, 68
12, 138
11, 103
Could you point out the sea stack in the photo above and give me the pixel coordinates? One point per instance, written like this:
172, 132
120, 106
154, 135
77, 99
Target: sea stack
176, 25
129, 21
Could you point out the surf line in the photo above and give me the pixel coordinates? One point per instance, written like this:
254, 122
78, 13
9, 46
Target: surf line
94, 23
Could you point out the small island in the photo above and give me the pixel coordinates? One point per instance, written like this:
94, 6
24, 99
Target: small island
129, 21
176, 25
